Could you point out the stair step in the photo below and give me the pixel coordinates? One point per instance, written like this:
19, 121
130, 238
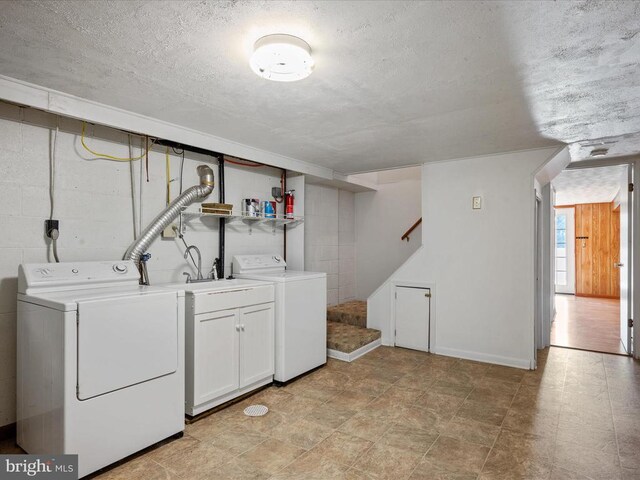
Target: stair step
351, 313
346, 338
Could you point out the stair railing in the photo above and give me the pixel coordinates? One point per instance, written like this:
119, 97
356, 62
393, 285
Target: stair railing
411, 229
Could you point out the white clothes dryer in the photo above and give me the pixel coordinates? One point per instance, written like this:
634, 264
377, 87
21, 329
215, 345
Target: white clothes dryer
100, 361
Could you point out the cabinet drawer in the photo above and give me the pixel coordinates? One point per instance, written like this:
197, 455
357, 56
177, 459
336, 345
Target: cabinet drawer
210, 302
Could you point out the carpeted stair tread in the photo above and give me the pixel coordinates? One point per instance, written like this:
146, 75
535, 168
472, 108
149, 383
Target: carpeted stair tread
351, 313
348, 338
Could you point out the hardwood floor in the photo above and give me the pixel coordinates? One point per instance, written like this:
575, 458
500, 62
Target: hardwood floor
587, 323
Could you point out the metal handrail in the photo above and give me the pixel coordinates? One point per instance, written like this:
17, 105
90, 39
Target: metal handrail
413, 227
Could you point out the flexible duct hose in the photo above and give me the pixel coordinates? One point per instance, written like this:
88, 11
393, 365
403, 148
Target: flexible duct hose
164, 218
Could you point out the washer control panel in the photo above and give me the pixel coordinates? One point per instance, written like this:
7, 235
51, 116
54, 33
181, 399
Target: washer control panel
257, 263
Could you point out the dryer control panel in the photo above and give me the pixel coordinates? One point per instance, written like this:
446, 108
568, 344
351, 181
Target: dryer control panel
59, 276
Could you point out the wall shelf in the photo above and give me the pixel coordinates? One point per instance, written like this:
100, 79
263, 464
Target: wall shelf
196, 211
236, 217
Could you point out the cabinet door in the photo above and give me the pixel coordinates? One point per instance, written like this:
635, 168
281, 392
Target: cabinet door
257, 343
216, 345
412, 317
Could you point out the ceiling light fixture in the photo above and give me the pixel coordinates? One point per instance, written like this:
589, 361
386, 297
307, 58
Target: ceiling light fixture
599, 152
282, 58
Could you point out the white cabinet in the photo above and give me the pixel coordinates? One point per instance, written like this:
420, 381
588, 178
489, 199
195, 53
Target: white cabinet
229, 352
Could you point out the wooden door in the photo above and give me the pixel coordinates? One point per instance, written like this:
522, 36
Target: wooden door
412, 317
597, 250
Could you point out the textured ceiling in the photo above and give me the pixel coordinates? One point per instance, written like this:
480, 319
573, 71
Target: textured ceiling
396, 83
588, 185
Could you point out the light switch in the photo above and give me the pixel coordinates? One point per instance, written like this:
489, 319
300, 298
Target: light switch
477, 203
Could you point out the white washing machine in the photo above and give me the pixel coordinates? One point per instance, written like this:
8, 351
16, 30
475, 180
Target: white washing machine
301, 312
100, 367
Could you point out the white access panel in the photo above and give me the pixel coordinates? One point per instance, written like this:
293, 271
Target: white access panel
124, 341
412, 308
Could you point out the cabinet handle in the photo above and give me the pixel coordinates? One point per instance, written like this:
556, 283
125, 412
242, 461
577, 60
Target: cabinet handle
237, 328
242, 327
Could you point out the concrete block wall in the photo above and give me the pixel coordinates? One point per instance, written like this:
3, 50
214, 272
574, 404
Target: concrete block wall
330, 239
346, 246
94, 203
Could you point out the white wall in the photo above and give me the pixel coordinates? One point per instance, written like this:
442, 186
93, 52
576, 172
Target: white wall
347, 246
480, 261
382, 217
295, 234
94, 205
330, 239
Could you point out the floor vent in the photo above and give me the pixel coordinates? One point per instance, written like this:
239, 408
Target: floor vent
256, 411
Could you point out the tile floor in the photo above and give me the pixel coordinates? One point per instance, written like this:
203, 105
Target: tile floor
401, 414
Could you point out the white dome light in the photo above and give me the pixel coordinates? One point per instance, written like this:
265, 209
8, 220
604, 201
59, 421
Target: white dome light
282, 58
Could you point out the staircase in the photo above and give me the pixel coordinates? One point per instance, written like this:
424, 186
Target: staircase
347, 334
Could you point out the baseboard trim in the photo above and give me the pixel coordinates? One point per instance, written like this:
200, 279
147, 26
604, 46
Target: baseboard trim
350, 357
484, 357
587, 295
197, 410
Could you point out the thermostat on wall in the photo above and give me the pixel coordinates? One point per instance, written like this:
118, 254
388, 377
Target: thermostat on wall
477, 203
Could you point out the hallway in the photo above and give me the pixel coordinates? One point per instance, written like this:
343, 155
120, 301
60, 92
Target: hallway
587, 324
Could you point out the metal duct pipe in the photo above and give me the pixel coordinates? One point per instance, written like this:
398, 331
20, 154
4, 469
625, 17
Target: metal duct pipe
164, 219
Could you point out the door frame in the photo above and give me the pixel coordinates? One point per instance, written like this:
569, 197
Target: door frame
538, 306
432, 308
630, 197
634, 247
571, 265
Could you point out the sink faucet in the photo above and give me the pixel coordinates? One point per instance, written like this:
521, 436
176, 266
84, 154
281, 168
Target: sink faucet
187, 253
213, 274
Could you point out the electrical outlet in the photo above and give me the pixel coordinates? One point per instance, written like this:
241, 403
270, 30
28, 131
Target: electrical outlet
50, 226
169, 232
477, 203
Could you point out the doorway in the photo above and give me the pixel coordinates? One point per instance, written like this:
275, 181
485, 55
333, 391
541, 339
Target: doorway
565, 257
591, 257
